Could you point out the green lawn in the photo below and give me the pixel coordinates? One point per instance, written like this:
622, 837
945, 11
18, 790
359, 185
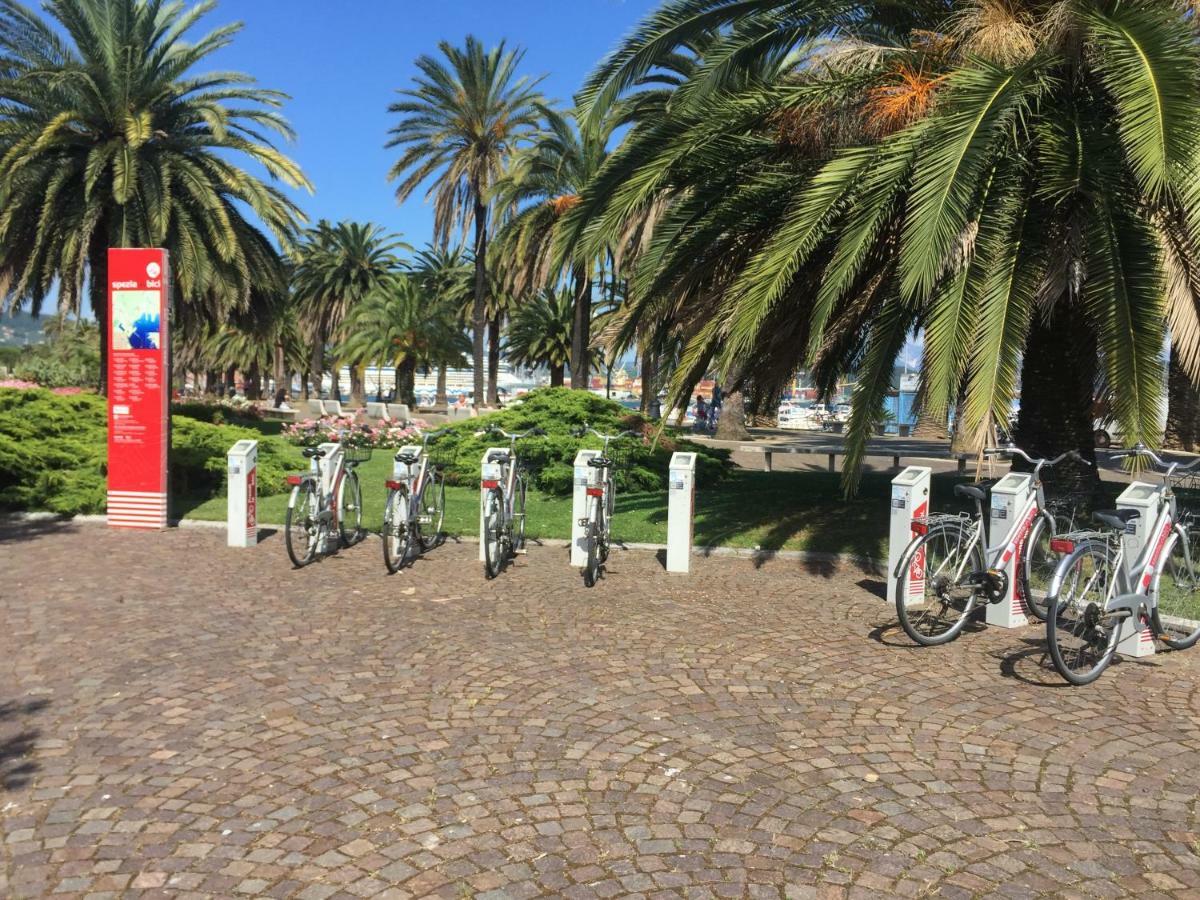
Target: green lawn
771, 510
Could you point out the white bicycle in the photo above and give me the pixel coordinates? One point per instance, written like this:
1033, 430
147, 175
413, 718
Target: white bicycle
602, 497
416, 504
325, 508
1098, 591
504, 487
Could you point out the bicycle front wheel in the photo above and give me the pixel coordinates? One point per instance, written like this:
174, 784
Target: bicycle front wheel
934, 594
434, 509
519, 514
493, 533
1176, 616
396, 534
302, 532
1081, 633
350, 509
595, 540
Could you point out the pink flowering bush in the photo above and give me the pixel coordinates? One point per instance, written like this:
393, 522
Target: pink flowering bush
22, 385
353, 432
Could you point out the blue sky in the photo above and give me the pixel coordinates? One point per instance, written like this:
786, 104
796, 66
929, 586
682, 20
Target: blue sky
342, 64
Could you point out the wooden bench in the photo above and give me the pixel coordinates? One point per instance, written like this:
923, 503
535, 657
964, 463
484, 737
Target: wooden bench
833, 453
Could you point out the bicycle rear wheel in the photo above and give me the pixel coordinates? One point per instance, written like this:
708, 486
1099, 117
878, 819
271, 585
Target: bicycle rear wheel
591, 571
302, 531
397, 538
350, 509
1176, 616
1081, 634
493, 533
433, 508
934, 596
1038, 565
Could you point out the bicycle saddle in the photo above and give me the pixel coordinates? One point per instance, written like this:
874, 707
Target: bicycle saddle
314, 453
407, 458
498, 456
977, 491
1116, 518
599, 462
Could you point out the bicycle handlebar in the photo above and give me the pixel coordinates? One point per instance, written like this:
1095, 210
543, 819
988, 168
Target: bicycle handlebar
585, 429
432, 435
1014, 450
496, 429
1140, 449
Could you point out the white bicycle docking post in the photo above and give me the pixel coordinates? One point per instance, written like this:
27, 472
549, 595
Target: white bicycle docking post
1013, 512
488, 471
910, 500
242, 515
583, 477
681, 508
1136, 639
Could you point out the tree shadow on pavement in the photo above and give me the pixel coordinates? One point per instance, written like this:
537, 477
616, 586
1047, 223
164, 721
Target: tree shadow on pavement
17, 531
17, 765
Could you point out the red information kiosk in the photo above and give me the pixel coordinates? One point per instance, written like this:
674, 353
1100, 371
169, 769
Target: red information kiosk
138, 395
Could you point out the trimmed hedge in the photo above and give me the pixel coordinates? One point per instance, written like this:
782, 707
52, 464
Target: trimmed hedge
560, 410
53, 454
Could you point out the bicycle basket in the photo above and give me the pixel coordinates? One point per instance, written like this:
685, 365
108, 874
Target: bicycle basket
619, 456
533, 459
440, 457
355, 455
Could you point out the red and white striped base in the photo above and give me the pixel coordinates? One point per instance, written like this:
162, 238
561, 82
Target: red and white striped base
134, 509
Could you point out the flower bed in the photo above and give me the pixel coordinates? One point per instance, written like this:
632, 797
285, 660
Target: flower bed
352, 432
20, 384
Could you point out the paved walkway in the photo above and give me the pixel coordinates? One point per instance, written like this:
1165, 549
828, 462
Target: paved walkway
185, 720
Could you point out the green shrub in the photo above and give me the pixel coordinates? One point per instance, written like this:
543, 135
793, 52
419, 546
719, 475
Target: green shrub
53, 454
52, 451
218, 412
560, 410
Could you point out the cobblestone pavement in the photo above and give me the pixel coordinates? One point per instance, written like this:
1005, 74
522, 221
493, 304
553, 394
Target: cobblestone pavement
181, 719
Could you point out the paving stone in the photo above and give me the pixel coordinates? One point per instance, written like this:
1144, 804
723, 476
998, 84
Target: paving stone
184, 719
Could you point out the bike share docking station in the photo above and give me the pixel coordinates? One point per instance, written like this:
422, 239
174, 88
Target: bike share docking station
584, 476
1135, 638
242, 513
681, 508
1013, 512
910, 500
491, 474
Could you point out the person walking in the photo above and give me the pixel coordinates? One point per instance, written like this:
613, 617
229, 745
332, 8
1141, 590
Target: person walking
701, 423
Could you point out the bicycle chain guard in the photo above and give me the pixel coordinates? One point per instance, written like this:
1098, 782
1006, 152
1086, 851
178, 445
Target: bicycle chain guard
993, 584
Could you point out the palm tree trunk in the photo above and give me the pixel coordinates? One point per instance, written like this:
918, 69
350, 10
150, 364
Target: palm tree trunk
317, 369
357, 385
479, 308
493, 387
556, 375
1183, 408
281, 373
731, 426
441, 399
406, 383
961, 442
254, 382
581, 368
98, 288
1058, 377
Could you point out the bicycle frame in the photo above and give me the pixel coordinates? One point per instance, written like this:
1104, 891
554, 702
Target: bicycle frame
329, 482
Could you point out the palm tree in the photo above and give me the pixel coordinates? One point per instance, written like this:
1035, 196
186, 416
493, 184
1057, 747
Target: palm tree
541, 330
542, 185
108, 138
1020, 179
458, 125
336, 268
393, 325
445, 277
